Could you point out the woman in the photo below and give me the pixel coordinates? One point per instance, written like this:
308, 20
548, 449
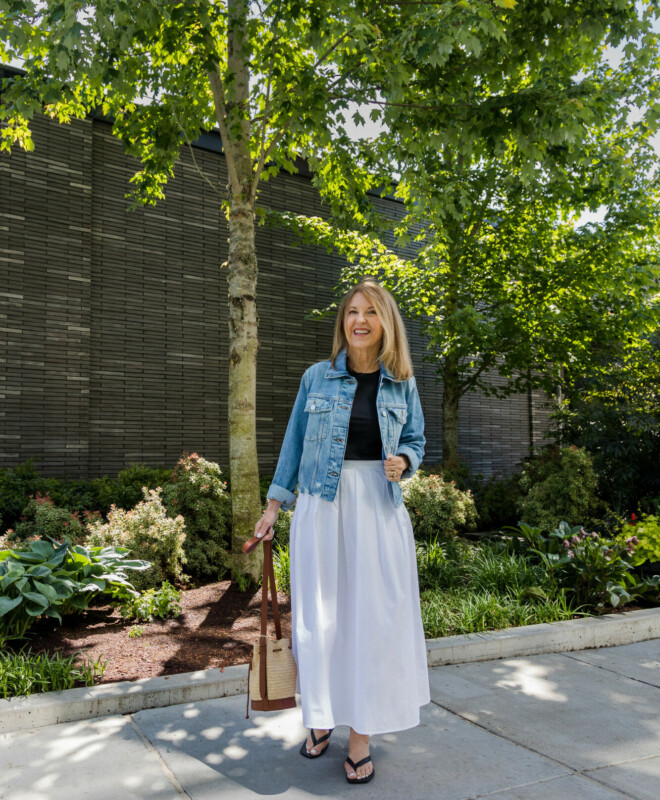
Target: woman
355, 430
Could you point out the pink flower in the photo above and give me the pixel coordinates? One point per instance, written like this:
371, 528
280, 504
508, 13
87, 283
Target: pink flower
570, 554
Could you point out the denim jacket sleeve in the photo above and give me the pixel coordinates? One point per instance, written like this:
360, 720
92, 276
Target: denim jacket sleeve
412, 441
286, 473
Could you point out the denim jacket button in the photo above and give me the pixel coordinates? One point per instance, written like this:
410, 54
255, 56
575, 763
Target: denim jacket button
384, 413
313, 406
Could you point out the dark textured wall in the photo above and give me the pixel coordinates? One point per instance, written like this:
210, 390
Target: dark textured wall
113, 325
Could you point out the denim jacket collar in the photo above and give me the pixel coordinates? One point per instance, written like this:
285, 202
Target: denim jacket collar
339, 370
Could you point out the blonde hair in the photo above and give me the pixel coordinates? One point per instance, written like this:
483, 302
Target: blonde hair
394, 352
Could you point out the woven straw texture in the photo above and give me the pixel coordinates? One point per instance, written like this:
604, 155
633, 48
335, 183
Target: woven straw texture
280, 670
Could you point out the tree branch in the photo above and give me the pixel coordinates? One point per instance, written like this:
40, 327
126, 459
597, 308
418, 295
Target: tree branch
217, 89
192, 153
262, 136
465, 386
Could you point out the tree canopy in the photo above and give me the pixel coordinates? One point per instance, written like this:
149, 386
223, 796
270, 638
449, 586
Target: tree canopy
523, 122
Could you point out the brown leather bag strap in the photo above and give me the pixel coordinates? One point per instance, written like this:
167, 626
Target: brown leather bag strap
273, 596
264, 589
269, 577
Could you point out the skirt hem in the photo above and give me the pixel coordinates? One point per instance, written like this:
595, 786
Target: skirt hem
323, 725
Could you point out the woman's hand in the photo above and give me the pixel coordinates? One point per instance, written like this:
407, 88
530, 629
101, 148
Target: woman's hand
395, 466
264, 528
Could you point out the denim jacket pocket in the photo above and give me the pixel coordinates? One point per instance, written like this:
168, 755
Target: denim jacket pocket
318, 409
396, 419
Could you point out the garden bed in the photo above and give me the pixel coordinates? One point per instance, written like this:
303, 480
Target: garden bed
215, 629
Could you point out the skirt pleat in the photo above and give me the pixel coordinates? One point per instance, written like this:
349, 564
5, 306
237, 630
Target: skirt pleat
357, 634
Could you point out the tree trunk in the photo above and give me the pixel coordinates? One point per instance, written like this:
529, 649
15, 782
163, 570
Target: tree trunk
450, 398
243, 346
235, 129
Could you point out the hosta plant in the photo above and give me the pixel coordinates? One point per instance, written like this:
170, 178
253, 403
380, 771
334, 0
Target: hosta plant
50, 579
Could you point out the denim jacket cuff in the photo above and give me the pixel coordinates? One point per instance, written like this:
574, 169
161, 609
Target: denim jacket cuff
403, 450
286, 497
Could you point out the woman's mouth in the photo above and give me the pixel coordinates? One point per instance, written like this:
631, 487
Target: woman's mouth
361, 332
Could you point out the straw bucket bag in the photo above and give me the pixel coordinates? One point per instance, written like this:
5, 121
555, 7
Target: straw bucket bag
272, 670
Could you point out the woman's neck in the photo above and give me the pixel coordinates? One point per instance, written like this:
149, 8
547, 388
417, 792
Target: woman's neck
363, 361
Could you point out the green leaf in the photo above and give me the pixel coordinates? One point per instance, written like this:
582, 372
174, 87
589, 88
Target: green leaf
37, 599
49, 592
7, 604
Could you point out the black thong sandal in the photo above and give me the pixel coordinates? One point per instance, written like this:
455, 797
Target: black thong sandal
303, 746
365, 760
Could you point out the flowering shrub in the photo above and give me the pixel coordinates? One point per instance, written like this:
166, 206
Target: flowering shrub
149, 534
437, 507
593, 569
560, 484
20, 483
198, 492
42, 519
647, 532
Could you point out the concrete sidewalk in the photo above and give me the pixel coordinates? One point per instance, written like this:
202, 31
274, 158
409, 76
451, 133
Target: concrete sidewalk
583, 725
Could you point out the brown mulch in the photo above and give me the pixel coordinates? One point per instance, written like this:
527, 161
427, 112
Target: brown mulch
216, 628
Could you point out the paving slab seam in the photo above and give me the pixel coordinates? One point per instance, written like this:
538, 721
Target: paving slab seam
571, 770
171, 777
545, 780
613, 671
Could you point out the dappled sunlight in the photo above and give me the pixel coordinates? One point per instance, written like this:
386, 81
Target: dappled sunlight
235, 752
285, 727
43, 763
211, 734
531, 679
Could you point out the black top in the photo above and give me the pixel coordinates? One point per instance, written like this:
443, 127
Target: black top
364, 443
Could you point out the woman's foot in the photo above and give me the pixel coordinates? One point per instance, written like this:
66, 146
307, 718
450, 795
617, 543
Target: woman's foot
358, 748
319, 747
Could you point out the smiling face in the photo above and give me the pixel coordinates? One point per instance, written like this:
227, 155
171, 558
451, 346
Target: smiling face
362, 327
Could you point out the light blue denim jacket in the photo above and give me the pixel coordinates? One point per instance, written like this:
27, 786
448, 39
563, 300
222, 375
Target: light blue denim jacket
313, 449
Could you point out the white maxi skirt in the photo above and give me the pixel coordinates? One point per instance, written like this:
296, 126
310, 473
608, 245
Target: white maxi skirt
357, 634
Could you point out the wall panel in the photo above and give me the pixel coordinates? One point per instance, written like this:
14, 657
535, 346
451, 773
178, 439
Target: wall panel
113, 324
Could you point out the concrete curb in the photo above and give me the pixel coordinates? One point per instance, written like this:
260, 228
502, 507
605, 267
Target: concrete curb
128, 697
547, 637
